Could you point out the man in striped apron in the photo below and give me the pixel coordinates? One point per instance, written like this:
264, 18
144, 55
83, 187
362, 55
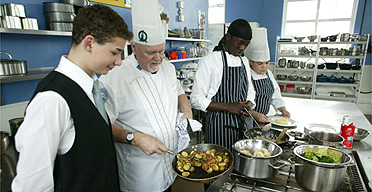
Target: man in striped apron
223, 88
267, 89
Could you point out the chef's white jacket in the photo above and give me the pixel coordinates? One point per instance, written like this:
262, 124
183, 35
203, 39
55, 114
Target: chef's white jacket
47, 130
276, 99
208, 78
132, 96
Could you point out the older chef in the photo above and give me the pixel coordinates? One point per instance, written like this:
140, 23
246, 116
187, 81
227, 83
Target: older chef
65, 141
267, 89
143, 96
223, 86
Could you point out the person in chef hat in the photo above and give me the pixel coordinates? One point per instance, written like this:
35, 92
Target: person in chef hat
143, 96
267, 89
223, 88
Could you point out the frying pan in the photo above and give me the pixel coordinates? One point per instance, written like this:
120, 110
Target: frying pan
255, 133
199, 175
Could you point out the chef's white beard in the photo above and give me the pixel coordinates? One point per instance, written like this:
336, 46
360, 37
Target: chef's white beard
153, 69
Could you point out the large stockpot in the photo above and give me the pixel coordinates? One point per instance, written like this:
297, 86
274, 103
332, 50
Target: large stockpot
11, 66
317, 176
257, 167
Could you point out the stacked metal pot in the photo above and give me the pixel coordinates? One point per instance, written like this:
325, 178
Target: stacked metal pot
14, 16
60, 16
12, 67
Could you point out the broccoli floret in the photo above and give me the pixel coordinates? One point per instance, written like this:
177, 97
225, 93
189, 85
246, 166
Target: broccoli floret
308, 155
326, 159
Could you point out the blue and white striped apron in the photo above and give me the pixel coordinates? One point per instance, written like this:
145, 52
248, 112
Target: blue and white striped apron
233, 88
264, 92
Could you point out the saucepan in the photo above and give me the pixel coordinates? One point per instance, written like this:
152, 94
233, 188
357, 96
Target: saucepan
11, 66
270, 135
326, 139
196, 158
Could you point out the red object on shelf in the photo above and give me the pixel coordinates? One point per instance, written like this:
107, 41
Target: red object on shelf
173, 55
290, 88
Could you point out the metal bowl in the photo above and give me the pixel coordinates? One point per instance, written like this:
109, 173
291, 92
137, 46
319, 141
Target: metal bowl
360, 134
310, 65
281, 77
299, 39
304, 90
305, 78
312, 38
4, 141
293, 77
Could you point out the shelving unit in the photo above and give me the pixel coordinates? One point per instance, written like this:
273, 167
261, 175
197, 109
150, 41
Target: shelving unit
321, 90
35, 32
33, 74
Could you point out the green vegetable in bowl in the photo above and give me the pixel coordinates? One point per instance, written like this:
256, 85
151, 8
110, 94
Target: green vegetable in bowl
322, 154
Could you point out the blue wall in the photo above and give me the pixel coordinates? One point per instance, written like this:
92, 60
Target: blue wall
269, 14
45, 51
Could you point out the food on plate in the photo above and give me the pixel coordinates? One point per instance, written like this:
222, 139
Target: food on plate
282, 121
257, 153
322, 154
209, 161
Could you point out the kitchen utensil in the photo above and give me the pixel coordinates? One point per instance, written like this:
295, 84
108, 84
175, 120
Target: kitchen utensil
321, 78
257, 167
291, 123
363, 37
325, 139
305, 78
333, 38
310, 65
282, 62
302, 64
13, 9
345, 37
11, 66
324, 39
270, 135
30, 23
338, 94
299, 39
332, 79
309, 128
80, 3
323, 51
303, 90
200, 175
266, 127
321, 66
5, 141
57, 7
344, 66
293, 77
360, 134
62, 17
311, 174
254, 120
331, 65
281, 77
172, 153
312, 38
279, 138
61, 26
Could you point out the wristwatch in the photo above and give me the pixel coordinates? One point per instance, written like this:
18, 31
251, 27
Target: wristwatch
130, 137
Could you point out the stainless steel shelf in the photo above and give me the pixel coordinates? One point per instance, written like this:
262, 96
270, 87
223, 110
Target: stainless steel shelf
33, 74
342, 56
184, 60
347, 98
302, 43
293, 69
338, 71
35, 32
295, 82
186, 39
298, 56
338, 84
296, 95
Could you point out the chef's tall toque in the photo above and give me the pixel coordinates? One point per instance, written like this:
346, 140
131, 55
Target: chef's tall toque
147, 27
258, 49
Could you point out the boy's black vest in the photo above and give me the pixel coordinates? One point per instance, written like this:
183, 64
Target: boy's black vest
90, 164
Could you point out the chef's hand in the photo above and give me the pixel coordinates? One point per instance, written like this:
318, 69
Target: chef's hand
239, 108
149, 144
284, 111
260, 117
186, 115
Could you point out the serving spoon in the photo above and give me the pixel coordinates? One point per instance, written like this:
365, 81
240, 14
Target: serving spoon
264, 128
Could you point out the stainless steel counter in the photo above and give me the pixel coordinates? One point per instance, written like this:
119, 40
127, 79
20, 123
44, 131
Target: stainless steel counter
306, 111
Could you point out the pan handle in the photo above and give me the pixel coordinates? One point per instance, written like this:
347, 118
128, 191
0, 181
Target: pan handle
281, 165
293, 163
234, 128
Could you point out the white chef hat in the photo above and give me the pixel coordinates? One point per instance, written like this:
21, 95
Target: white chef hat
147, 28
258, 49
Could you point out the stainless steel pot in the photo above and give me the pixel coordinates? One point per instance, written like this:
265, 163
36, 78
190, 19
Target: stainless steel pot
345, 37
257, 167
61, 26
326, 139
12, 67
282, 62
317, 176
63, 17
80, 3
57, 7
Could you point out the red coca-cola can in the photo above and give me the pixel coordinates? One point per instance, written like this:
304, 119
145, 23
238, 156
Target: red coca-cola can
347, 132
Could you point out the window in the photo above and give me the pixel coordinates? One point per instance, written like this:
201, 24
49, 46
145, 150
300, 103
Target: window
216, 11
318, 17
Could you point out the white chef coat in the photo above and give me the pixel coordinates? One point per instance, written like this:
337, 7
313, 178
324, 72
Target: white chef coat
47, 130
276, 99
128, 109
208, 78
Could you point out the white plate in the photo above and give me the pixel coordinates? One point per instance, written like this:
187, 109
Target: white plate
320, 127
291, 122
